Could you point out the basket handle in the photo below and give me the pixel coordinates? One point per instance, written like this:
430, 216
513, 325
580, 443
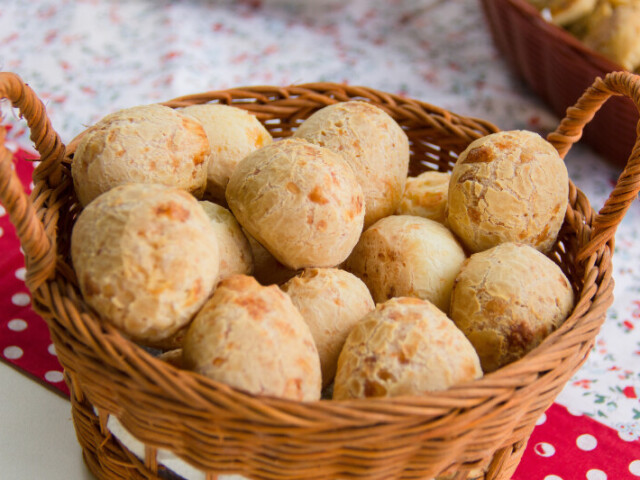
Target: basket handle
569, 131
35, 230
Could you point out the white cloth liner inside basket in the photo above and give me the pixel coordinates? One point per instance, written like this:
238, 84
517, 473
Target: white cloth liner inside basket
165, 458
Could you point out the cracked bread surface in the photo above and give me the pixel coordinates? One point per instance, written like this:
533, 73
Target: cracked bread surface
146, 257
406, 346
300, 201
142, 144
508, 187
253, 338
507, 300
373, 144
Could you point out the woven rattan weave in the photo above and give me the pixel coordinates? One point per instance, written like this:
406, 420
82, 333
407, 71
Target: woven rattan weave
482, 426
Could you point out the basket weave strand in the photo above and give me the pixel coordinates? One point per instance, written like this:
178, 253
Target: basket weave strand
570, 130
475, 430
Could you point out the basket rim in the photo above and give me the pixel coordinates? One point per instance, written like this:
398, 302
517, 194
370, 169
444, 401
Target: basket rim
454, 396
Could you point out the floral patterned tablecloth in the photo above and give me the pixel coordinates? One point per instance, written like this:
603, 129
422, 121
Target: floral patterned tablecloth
86, 58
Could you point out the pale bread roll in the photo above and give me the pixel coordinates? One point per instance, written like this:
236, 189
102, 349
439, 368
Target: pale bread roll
143, 144
508, 187
253, 338
507, 300
372, 143
146, 258
565, 12
406, 346
407, 256
613, 29
302, 202
331, 301
233, 134
426, 196
235, 251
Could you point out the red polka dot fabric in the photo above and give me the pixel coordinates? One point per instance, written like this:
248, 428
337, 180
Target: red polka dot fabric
563, 446
24, 337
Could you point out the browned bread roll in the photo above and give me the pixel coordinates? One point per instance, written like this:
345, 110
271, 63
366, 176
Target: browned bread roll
372, 143
253, 338
426, 196
302, 202
507, 300
144, 144
331, 301
406, 346
508, 187
146, 257
407, 256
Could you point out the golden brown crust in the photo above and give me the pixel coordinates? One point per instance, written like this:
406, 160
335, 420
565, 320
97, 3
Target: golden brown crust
302, 202
407, 256
331, 301
233, 133
146, 257
372, 143
507, 300
508, 187
426, 196
144, 144
253, 338
406, 346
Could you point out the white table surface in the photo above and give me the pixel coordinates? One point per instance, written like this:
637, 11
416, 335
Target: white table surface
37, 438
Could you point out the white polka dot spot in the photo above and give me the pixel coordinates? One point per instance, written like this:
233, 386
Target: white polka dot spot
634, 468
544, 449
52, 349
20, 299
586, 442
595, 474
3, 212
53, 376
17, 325
552, 477
21, 273
542, 419
12, 352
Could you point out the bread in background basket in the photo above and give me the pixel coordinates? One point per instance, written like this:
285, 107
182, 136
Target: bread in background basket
220, 430
558, 67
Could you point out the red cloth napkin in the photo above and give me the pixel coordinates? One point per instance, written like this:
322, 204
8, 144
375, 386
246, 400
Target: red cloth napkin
569, 447
24, 336
562, 447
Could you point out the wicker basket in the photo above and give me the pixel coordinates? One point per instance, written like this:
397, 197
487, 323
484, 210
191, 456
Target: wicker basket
558, 68
480, 426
